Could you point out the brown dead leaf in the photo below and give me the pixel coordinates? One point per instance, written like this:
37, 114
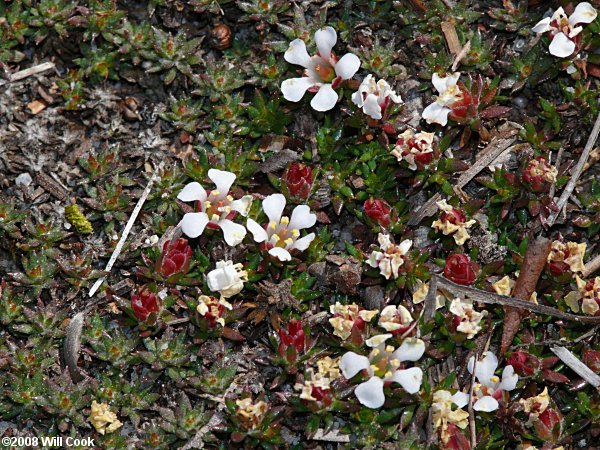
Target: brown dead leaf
36, 107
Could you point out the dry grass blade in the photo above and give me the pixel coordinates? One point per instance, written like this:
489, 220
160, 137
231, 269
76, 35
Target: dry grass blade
20, 75
564, 198
592, 266
578, 367
72, 345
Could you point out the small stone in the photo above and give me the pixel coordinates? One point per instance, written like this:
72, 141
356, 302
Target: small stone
23, 180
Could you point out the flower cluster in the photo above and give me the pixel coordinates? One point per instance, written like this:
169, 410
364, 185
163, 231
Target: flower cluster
391, 257
213, 310
383, 366
586, 298
446, 412
249, 413
564, 33
538, 175
282, 234
323, 73
565, 257
453, 221
417, 149
103, 419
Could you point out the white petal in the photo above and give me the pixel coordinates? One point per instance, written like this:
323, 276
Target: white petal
411, 350
486, 404
303, 243
561, 46
242, 205
436, 113
460, 399
302, 218
371, 107
280, 253
376, 341
409, 379
370, 393
259, 233
441, 84
485, 368
193, 224
542, 26
297, 54
405, 246
233, 233
352, 363
584, 13
222, 179
509, 379
325, 99
221, 278
294, 89
325, 38
347, 66
192, 192
273, 206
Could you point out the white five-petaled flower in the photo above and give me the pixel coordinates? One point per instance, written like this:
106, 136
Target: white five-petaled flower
564, 30
490, 388
383, 366
391, 256
281, 234
217, 208
227, 279
373, 97
450, 93
324, 72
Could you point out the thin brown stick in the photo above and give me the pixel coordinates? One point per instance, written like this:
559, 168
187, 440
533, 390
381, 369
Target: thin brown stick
564, 198
592, 266
557, 165
486, 157
491, 298
536, 256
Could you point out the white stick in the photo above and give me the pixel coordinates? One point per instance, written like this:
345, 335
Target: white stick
126, 230
28, 72
578, 367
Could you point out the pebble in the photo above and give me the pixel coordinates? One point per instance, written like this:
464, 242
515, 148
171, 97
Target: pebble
520, 101
23, 180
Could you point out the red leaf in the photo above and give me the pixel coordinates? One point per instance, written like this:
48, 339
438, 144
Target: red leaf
233, 335
554, 377
549, 361
492, 112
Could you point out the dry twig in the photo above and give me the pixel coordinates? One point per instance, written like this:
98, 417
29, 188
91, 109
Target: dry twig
28, 72
592, 266
577, 366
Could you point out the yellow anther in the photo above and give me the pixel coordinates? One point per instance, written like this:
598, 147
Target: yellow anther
207, 204
388, 374
284, 220
215, 193
395, 363
374, 367
389, 348
375, 352
273, 225
295, 233
230, 198
275, 238
289, 241
215, 218
495, 379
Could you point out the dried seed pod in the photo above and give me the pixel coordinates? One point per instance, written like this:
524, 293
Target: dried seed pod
129, 108
221, 36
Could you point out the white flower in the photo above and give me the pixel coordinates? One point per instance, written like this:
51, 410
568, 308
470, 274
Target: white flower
227, 279
217, 208
563, 29
391, 256
382, 366
281, 234
470, 320
489, 388
374, 97
324, 72
450, 93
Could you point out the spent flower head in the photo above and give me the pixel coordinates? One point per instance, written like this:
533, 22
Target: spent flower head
324, 72
586, 298
391, 257
374, 97
417, 149
566, 256
453, 221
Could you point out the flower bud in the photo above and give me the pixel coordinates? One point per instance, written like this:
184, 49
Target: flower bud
548, 425
292, 341
460, 269
378, 210
144, 303
175, 258
591, 358
298, 179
